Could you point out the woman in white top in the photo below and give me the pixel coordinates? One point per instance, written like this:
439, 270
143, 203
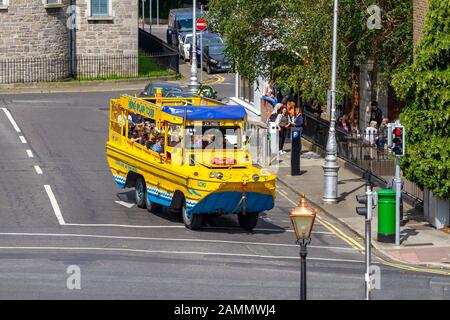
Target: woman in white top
370, 134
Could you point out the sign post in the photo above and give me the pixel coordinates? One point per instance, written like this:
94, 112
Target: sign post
201, 26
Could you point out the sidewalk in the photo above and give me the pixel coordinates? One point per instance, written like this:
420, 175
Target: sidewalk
421, 244
82, 86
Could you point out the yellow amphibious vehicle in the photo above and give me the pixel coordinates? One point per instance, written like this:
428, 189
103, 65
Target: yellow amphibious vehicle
188, 154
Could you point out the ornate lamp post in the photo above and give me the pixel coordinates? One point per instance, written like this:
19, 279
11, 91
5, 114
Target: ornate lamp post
302, 218
194, 84
330, 167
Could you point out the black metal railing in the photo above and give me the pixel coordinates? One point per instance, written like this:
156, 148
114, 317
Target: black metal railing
43, 69
35, 69
162, 53
367, 150
107, 67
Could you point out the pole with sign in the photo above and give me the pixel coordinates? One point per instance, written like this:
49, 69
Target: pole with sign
201, 26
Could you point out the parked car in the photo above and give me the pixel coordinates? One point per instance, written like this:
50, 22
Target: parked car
184, 46
167, 87
214, 59
179, 23
206, 40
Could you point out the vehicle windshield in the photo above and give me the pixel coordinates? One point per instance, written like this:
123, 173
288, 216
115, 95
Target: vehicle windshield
216, 50
184, 25
213, 137
207, 41
165, 90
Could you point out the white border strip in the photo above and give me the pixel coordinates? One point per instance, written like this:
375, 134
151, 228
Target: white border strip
11, 119
22, 139
30, 153
178, 252
77, 235
55, 205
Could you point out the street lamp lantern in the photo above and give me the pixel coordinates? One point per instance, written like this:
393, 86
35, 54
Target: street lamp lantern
302, 218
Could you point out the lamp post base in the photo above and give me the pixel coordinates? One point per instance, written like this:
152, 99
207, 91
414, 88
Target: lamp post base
330, 169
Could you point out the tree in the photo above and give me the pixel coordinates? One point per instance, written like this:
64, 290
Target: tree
425, 86
291, 40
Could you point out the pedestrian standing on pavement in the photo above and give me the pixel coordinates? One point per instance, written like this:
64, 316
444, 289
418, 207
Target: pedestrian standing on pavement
370, 134
283, 124
382, 135
283, 103
298, 121
269, 93
376, 114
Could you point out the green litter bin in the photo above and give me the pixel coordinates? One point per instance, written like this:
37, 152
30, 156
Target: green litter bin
386, 215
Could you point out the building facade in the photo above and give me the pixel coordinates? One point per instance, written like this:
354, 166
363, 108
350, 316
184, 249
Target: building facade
49, 40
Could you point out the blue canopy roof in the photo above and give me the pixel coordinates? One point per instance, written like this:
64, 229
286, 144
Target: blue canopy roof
225, 112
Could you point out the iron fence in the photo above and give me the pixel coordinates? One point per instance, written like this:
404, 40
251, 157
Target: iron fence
366, 150
35, 69
162, 54
111, 67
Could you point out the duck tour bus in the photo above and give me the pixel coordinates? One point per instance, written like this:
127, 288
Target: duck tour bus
187, 154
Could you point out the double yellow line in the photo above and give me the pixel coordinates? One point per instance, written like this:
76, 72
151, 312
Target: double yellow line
216, 80
359, 247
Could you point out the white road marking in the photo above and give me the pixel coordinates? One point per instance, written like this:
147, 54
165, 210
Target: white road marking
30, 153
179, 252
38, 170
117, 225
22, 139
55, 205
167, 239
125, 204
11, 119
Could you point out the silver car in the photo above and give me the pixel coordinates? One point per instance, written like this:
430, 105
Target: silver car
184, 46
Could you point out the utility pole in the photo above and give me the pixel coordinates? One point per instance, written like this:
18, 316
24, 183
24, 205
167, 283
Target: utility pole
143, 15
331, 166
368, 238
151, 15
157, 12
398, 194
193, 84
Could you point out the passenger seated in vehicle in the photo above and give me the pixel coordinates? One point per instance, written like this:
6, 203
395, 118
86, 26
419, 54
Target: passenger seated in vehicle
159, 145
140, 138
149, 140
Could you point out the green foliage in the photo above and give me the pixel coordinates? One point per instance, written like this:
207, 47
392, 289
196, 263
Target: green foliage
425, 85
274, 39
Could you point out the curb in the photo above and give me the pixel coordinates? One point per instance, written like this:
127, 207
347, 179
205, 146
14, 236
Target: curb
379, 253
68, 86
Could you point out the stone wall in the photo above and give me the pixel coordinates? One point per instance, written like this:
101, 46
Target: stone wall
113, 37
34, 42
419, 12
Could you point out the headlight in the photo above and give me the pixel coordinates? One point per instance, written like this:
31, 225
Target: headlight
213, 61
212, 174
255, 177
219, 175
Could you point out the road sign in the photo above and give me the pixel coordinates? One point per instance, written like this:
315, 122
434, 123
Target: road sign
200, 24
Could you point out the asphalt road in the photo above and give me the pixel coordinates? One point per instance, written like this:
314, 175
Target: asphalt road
69, 215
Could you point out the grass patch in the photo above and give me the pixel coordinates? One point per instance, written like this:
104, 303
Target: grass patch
147, 68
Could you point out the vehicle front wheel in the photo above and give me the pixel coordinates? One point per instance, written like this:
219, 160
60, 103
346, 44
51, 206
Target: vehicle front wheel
140, 191
208, 69
248, 220
192, 221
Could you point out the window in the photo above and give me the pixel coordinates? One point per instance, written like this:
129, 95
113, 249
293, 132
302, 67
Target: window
53, 4
246, 91
100, 8
4, 4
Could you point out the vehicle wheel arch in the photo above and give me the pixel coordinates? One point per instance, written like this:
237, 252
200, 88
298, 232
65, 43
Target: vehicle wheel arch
131, 179
177, 201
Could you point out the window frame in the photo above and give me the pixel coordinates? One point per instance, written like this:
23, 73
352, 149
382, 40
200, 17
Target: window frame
4, 5
92, 17
57, 4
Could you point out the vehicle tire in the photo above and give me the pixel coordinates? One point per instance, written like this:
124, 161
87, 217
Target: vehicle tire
141, 192
192, 221
248, 221
153, 207
208, 69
